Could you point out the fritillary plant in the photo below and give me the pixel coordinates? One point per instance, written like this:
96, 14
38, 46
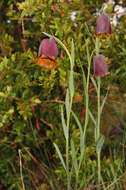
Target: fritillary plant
75, 157
62, 114
103, 27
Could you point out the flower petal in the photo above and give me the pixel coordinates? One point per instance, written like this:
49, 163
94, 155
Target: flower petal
48, 47
103, 25
99, 65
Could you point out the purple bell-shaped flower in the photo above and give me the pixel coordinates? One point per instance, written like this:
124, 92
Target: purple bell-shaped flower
48, 48
100, 66
103, 25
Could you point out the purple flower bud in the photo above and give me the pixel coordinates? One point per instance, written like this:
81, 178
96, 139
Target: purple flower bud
99, 66
48, 48
103, 25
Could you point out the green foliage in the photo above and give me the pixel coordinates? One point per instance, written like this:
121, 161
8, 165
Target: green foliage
32, 96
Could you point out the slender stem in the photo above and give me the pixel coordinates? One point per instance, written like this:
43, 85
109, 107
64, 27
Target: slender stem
98, 128
68, 126
99, 167
99, 107
87, 94
97, 132
67, 147
67, 155
89, 58
86, 107
97, 46
67, 164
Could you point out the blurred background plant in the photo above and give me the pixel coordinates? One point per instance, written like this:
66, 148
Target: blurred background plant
30, 96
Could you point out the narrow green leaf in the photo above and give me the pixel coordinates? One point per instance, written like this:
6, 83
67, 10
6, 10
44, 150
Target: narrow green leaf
72, 54
100, 143
94, 83
77, 121
92, 117
80, 128
84, 80
71, 84
71, 78
67, 103
103, 102
74, 156
65, 128
60, 155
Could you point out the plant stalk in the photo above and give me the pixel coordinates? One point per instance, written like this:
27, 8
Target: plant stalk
97, 135
98, 129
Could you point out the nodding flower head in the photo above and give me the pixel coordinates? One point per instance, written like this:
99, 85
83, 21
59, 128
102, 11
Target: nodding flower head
100, 66
103, 25
48, 48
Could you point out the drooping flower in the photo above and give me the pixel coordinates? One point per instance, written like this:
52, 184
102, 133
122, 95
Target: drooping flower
48, 52
100, 66
103, 25
48, 48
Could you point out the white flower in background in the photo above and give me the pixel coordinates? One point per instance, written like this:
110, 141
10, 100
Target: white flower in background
119, 10
8, 21
73, 15
110, 7
114, 20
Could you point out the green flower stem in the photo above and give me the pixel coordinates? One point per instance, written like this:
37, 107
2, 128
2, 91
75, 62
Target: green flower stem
67, 148
97, 132
87, 94
97, 46
86, 83
99, 107
98, 128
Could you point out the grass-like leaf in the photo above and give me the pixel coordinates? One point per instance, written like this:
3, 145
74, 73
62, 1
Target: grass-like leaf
60, 155
65, 128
